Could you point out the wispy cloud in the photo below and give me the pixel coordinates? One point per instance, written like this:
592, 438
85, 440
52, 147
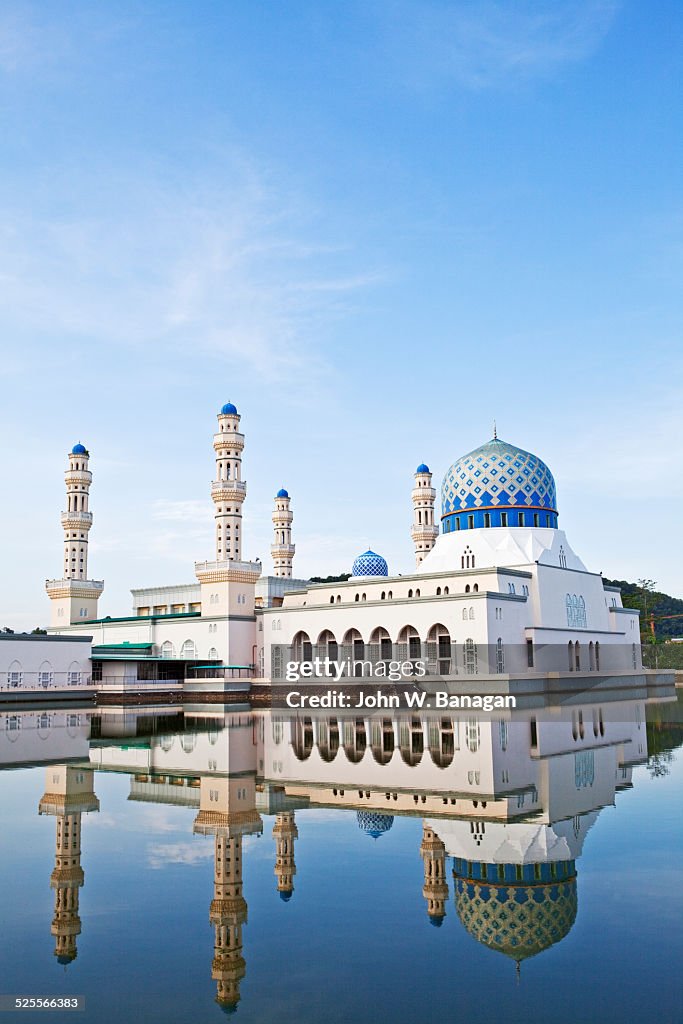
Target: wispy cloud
488, 44
219, 265
159, 855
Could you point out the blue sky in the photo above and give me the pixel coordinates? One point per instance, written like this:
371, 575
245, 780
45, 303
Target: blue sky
375, 227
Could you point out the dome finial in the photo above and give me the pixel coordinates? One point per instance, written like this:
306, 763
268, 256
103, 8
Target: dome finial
495, 431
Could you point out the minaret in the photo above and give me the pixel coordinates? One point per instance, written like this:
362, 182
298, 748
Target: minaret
285, 832
68, 792
74, 597
282, 548
423, 532
435, 890
228, 584
228, 490
227, 810
228, 914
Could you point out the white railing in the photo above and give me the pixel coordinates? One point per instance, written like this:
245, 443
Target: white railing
76, 517
229, 485
33, 682
74, 584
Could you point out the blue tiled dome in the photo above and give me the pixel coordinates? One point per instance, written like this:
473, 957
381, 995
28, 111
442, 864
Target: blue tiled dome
498, 478
519, 917
282, 493
436, 920
286, 895
79, 449
423, 468
374, 823
229, 409
369, 564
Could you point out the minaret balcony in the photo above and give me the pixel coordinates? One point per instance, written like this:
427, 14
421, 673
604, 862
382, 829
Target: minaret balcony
76, 520
78, 476
229, 488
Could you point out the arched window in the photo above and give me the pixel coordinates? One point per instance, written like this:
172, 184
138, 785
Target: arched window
14, 674
438, 591
467, 588
464, 613
471, 613
390, 595
475, 588
472, 735
167, 649
446, 591
417, 593
577, 655
597, 655
570, 655
188, 650
213, 654
410, 593
591, 657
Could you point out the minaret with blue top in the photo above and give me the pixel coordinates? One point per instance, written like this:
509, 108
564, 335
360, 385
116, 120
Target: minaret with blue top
228, 490
282, 548
424, 531
74, 597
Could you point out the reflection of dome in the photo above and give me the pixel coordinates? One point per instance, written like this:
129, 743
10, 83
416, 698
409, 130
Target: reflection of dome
498, 477
66, 958
227, 1007
286, 894
436, 919
422, 468
518, 910
374, 822
229, 409
369, 564
282, 493
79, 449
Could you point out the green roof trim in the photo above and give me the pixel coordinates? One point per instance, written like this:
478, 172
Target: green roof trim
124, 645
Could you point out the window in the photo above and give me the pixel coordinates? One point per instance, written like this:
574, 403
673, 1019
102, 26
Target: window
562, 557
503, 518
536, 519
487, 519
520, 519
470, 522
530, 653
475, 588
472, 735
500, 656
438, 591
533, 733
503, 735
470, 657
471, 613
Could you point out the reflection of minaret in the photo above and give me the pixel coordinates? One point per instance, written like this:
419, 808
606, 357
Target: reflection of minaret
68, 792
285, 832
227, 811
435, 891
228, 914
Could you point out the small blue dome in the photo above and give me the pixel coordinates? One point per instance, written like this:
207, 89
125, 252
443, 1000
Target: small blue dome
79, 449
369, 564
436, 919
286, 895
374, 823
423, 468
66, 958
282, 493
229, 409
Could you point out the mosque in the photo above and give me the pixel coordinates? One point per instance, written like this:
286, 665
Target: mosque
496, 590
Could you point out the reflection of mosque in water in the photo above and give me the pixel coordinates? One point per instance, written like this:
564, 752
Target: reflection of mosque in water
505, 805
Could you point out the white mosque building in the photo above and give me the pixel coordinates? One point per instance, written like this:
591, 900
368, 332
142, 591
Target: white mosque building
498, 590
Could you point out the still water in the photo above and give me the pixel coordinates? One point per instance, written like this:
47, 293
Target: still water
180, 865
